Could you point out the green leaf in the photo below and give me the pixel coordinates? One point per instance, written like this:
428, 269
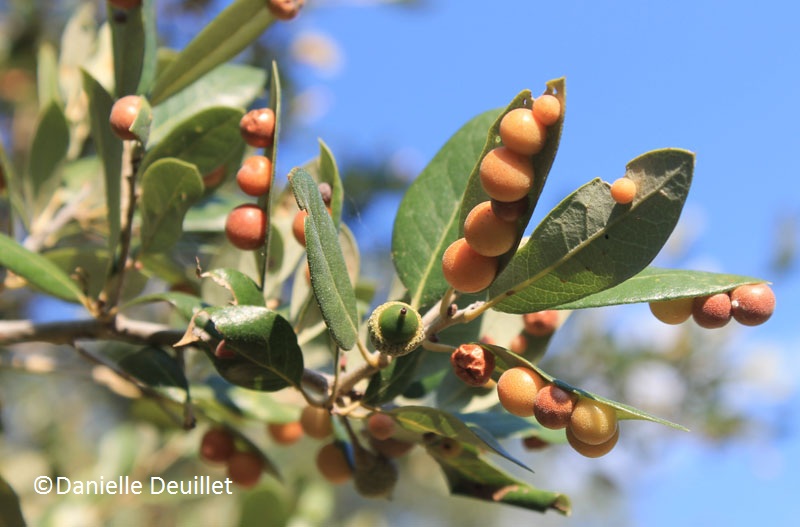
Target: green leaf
47, 75
329, 173
229, 85
210, 140
268, 505
210, 214
471, 476
245, 292
265, 201
109, 148
393, 380
169, 188
187, 305
474, 193
215, 396
426, 420
276, 257
171, 267
38, 271
142, 122
10, 178
503, 425
268, 357
654, 284
153, 366
454, 395
428, 216
506, 359
329, 278
304, 311
352, 257
10, 511
589, 243
134, 41
228, 33
48, 151
79, 41
92, 263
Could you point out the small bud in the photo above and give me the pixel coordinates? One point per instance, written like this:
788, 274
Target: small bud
395, 328
472, 364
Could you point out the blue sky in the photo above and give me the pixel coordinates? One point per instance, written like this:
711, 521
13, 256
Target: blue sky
715, 81
717, 78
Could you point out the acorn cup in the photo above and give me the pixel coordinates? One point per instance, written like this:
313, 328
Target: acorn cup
395, 328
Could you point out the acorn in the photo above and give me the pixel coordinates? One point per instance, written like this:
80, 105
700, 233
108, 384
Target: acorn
395, 328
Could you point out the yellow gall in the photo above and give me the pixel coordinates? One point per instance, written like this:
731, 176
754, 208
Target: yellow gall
506, 175
487, 234
523, 134
466, 270
588, 450
593, 422
672, 311
623, 190
547, 109
517, 389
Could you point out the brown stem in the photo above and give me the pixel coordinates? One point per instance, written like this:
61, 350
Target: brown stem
348, 381
119, 328
436, 347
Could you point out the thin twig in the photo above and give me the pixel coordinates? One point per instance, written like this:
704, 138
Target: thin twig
348, 381
436, 347
369, 358
42, 230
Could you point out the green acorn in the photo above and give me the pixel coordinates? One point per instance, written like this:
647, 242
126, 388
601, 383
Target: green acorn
395, 328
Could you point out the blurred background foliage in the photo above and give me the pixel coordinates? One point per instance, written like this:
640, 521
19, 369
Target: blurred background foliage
60, 415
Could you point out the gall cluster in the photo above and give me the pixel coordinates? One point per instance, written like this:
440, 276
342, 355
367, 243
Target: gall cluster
749, 305
470, 263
